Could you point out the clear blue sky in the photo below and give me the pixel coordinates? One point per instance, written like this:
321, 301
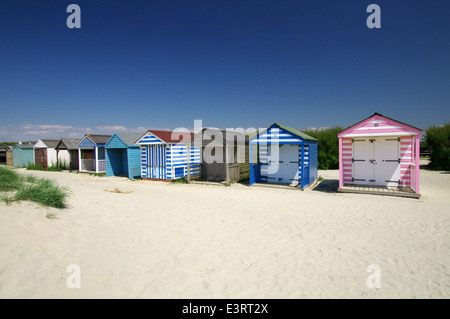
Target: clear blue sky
240, 63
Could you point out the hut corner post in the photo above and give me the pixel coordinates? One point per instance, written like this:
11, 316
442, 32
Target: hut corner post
416, 187
341, 168
79, 160
96, 159
188, 163
302, 167
251, 178
227, 165
57, 158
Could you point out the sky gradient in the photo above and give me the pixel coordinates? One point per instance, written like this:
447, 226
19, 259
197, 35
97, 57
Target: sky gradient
136, 65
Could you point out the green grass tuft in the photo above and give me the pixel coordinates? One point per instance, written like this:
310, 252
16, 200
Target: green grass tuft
35, 167
179, 181
9, 180
28, 187
44, 192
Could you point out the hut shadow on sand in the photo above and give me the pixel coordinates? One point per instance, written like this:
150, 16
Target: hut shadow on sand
327, 186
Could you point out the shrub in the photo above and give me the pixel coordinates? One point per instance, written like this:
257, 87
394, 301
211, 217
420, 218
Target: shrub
35, 167
438, 138
328, 146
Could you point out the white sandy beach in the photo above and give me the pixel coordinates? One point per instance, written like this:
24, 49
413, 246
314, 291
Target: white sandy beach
167, 240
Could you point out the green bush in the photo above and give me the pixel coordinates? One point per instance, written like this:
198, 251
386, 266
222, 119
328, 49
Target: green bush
328, 146
438, 138
35, 167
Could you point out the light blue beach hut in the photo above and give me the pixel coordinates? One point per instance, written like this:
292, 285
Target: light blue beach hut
123, 156
23, 154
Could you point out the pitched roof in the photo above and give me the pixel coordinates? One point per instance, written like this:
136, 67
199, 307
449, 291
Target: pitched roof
296, 132
50, 143
25, 144
376, 115
68, 143
99, 139
129, 138
167, 137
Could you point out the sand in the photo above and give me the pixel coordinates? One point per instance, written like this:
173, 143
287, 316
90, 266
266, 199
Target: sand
162, 240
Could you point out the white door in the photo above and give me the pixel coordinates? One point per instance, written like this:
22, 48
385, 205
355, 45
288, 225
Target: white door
376, 161
363, 161
288, 165
388, 164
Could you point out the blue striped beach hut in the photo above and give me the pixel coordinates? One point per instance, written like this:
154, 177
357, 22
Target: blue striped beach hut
283, 155
164, 155
123, 156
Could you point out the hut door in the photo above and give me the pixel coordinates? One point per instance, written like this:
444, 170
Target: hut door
41, 157
364, 161
288, 164
9, 158
291, 163
388, 164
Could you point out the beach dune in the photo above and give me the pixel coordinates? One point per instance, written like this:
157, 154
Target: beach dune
165, 240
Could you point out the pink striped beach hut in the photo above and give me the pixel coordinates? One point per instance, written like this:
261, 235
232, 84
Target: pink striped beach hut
380, 155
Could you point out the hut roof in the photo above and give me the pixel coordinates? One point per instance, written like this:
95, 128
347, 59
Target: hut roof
172, 136
50, 143
68, 143
99, 139
129, 138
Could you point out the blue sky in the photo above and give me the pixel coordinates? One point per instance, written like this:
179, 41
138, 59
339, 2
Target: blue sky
135, 65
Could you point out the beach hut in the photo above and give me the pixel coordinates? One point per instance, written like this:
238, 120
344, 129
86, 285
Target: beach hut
123, 156
45, 153
91, 153
165, 155
284, 156
380, 155
23, 154
224, 155
71, 146
3, 154
9, 156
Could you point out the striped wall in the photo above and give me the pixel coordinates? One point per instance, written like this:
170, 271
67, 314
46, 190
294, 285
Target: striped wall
150, 139
168, 161
276, 135
347, 155
406, 159
313, 162
264, 161
379, 127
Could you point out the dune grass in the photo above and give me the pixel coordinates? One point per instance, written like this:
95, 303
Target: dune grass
28, 187
9, 180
